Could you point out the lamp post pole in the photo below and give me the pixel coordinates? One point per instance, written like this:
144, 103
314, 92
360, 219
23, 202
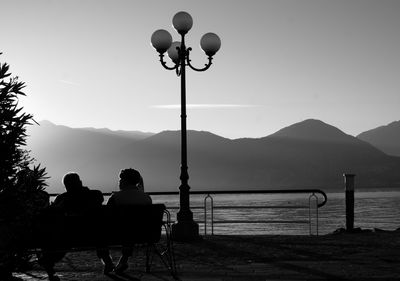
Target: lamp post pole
185, 229
184, 214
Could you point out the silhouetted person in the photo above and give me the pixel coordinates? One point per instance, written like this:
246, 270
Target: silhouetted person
131, 193
77, 199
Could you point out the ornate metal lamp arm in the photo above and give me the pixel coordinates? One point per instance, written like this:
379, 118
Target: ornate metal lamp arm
164, 64
207, 65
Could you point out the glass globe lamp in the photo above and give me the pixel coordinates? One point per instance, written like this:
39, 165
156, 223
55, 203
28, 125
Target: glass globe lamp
173, 51
210, 43
161, 40
182, 22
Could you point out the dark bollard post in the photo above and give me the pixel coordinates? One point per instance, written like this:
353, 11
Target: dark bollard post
349, 182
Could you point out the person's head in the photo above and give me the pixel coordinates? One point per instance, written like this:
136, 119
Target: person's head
129, 178
72, 182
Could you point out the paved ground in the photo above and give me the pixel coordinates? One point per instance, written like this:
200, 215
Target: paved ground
360, 256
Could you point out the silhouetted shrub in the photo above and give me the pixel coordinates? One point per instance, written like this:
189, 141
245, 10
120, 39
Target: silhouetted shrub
21, 187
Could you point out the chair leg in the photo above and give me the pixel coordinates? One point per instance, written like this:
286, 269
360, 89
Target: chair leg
170, 249
167, 260
149, 257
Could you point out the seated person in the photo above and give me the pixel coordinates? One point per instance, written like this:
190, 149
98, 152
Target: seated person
76, 199
131, 190
131, 193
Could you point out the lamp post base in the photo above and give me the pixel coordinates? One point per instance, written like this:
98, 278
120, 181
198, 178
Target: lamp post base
185, 231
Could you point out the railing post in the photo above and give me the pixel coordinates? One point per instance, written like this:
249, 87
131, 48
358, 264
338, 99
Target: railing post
309, 212
205, 214
349, 190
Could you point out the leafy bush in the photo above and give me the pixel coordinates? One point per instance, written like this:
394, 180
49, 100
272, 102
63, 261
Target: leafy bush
21, 187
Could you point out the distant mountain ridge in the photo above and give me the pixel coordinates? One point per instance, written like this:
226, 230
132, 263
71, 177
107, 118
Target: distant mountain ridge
308, 154
314, 130
135, 135
386, 138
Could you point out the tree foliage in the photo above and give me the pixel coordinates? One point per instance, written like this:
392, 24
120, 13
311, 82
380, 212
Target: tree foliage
22, 193
13, 121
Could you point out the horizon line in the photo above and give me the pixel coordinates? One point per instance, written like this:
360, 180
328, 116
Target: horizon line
204, 106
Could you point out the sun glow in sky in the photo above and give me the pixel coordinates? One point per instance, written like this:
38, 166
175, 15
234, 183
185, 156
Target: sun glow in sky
90, 63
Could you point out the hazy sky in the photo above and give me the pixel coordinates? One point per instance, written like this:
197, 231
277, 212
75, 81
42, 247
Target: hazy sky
90, 63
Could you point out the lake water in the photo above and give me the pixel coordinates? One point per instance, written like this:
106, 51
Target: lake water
372, 210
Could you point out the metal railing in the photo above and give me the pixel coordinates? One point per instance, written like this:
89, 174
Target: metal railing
312, 195
208, 197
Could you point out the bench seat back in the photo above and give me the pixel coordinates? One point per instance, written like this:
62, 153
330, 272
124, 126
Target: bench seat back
103, 226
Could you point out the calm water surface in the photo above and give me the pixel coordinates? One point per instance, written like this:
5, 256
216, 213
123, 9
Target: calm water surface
372, 210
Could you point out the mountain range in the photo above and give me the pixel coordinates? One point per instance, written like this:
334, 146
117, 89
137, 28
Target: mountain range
308, 154
386, 138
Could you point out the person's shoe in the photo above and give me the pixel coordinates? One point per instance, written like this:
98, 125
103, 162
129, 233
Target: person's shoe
108, 268
54, 278
121, 267
12, 278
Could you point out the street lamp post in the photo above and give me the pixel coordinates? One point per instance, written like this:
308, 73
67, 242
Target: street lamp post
186, 228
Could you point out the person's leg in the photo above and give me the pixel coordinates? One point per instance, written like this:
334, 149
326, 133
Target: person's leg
104, 255
122, 265
48, 260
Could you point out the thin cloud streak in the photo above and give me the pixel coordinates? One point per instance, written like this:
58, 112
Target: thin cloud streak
68, 82
204, 106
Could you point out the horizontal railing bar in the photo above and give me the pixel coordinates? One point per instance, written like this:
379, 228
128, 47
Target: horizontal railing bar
195, 207
260, 207
264, 221
255, 222
248, 207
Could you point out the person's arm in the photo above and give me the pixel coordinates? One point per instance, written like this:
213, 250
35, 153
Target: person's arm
111, 201
58, 202
100, 197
